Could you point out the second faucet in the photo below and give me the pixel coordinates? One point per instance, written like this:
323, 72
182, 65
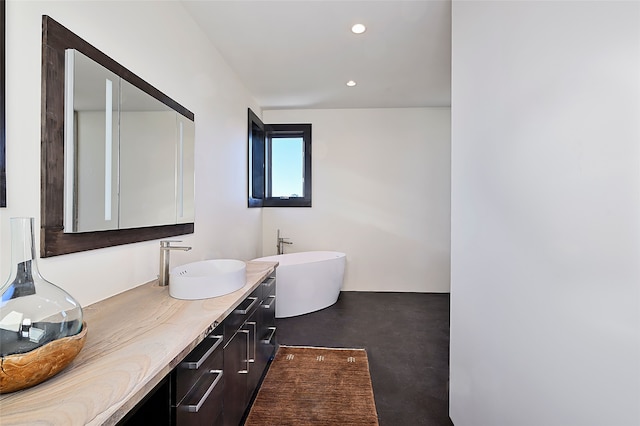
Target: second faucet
281, 242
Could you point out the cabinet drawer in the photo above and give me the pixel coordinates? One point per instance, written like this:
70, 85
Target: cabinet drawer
269, 302
203, 403
268, 308
207, 356
268, 286
240, 314
268, 329
268, 305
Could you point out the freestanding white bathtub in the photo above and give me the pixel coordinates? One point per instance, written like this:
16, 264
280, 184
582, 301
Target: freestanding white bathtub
307, 281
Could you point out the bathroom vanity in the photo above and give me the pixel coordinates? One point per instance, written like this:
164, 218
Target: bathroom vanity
165, 360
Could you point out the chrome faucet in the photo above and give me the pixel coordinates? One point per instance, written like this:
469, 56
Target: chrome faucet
281, 242
165, 246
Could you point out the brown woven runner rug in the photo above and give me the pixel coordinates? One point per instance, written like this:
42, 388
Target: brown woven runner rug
315, 386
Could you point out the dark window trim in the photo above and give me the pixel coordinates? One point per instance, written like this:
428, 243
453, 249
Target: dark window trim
257, 157
283, 130
255, 160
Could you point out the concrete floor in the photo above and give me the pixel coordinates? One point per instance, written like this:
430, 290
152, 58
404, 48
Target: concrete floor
406, 336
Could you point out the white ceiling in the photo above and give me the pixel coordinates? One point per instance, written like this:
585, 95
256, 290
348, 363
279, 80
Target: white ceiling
301, 53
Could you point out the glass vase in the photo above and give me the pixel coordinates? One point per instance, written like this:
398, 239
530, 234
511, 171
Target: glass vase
33, 311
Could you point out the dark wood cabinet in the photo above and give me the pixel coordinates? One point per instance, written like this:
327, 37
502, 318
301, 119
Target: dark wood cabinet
248, 350
215, 384
155, 408
236, 370
199, 383
267, 330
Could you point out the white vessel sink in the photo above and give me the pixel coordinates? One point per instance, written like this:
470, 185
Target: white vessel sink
207, 278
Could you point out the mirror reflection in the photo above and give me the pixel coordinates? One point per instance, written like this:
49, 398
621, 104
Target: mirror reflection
129, 158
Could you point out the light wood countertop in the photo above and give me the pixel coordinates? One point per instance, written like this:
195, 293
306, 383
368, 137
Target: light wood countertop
134, 340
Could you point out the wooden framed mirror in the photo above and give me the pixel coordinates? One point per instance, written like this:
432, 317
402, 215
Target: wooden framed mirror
56, 40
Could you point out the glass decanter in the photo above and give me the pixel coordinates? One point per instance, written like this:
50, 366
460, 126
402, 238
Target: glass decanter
33, 311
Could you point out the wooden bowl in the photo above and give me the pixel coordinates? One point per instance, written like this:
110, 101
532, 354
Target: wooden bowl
20, 371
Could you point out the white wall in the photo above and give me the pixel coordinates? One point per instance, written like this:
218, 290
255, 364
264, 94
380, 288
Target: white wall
545, 275
161, 43
380, 194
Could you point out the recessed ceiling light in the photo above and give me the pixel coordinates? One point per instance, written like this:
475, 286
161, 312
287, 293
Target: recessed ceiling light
351, 83
358, 29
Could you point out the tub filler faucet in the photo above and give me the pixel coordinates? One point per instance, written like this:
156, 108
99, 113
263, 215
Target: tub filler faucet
281, 242
165, 246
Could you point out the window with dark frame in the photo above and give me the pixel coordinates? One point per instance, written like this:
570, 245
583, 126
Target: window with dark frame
279, 168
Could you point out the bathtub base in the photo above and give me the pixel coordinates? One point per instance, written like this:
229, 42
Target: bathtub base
307, 282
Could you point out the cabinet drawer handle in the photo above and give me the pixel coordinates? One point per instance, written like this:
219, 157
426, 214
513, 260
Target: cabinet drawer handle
268, 306
248, 308
246, 371
194, 365
255, 337
194, 408
269, 282
268, 339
